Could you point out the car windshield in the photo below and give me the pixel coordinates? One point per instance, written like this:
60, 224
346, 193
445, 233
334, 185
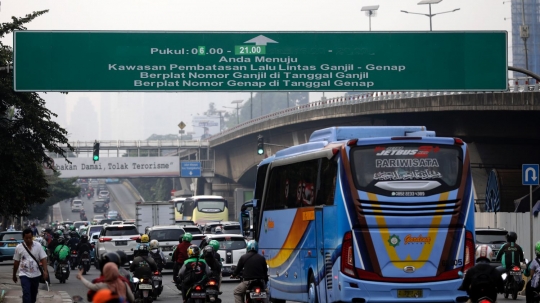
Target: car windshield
197, 240
166, 234
121, 231
232, 243
192, 230
11, 236
78, 224
95, 229
232, 229
491, 237
77, 202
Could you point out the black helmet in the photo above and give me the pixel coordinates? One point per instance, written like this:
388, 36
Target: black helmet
123, 256
109, 257
511, 237
55, 235
84, 239
208, 250
61, 240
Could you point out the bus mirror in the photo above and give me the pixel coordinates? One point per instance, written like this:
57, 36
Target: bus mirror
245, 221
246, 205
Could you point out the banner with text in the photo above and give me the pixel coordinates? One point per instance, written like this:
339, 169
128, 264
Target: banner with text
122, 167
259, 61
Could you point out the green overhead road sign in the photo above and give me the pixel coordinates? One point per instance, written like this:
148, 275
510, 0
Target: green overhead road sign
249, 61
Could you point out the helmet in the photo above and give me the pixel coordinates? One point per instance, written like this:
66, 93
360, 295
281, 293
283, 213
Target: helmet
214, 244
511, 237
72, 228
55, 235
142, 250
537, 248
208, 250
85, 223
109, 257
218, 229
145, 238
154, 244
61, 240
73, 234
84, 238
483, 253
187, 237
123, 256
252, 245
193, 251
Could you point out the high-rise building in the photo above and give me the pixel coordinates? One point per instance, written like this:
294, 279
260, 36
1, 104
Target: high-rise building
531, 10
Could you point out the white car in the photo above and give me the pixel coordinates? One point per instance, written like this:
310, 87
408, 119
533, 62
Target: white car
104, 194
168, 237
231, 248
77, 205
118, 237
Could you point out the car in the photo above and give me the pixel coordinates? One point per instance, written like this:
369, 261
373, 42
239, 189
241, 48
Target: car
192, 229
494, 237
231, 248
118, 237
78, 224
168, 237
227, 227
98, 218
93, 229
77, 205
129, 221
112, 214
106, 221
104, 195
117, 222
8, 241
100, 206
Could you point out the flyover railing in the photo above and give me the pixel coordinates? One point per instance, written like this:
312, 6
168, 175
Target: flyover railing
516, 85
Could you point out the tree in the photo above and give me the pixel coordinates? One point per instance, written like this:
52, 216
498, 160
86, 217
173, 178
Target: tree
58, 189
27, 133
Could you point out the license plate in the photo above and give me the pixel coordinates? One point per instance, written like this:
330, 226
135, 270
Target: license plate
515, 273
198, 295
211, 291
12, 244
120, 243
409, 293
157, 278
145, 286
86, 260
257, 295
74, 256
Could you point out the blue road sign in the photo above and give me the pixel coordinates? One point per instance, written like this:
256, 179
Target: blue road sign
529, 174
190, 169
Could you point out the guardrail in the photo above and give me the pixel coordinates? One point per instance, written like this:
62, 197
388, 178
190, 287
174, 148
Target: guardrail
516, 85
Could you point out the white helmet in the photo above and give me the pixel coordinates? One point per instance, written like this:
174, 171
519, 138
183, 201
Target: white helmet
154, 244
218, 229
484, 253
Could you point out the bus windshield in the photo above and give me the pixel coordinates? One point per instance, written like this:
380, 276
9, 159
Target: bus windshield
178, 206
211, 206
407, 162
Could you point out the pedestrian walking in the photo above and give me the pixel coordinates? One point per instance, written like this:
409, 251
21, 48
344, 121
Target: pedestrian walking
26, 261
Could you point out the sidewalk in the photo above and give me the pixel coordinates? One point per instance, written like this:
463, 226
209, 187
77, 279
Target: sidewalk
13, 293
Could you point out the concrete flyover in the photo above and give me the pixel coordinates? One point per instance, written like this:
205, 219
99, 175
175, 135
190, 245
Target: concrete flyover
502, 128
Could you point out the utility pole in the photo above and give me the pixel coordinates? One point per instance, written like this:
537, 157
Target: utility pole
524, 33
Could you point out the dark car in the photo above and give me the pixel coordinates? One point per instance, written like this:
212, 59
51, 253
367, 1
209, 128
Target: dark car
494, 237
100, 206
8, 241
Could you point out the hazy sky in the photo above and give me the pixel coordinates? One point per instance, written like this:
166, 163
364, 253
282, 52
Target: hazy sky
232, 15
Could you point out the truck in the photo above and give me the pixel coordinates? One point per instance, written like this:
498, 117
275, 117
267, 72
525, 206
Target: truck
149, 214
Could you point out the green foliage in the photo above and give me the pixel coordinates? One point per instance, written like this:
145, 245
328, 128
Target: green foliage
27, 133
58, 189
153, 189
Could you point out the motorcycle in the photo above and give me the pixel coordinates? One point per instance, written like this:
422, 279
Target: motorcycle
144, 289
157, 279
74, 259
196, 294
62, 271
212, 290
85, 262
485, 300
256, 291
513, 282
88, 196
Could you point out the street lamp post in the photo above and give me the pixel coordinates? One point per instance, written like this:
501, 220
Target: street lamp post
237, 109
430, 15
370, 11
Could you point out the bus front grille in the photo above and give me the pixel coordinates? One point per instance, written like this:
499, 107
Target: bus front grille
409, 208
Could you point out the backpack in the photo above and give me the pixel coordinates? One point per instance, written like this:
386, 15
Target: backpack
194, 272
157, 257
482, 285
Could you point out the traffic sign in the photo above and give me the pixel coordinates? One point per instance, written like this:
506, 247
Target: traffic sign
190, 169
259, 61
530, 174
181, 124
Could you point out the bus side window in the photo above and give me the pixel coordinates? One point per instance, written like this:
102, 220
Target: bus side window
327, 184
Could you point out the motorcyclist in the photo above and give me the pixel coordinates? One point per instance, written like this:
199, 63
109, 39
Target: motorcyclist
157, 254
218, 230
180, 254
482, 280
82, 215
254, 267
106, 258
510, 254
52, 245
213, 259
83, 246
143, 242
143, 265
194, 270
533, 286
73, 240
61, 253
